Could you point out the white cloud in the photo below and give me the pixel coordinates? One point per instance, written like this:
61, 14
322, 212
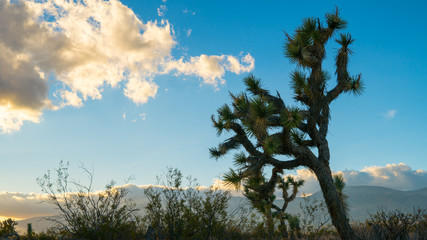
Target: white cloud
211, 68
143, 116
87, 46
20, 205
222, 185
188, 32
71, 99
12, 118
185, 11
236, 67
124, 116
396, 176
140, 90
161, 10
390, 114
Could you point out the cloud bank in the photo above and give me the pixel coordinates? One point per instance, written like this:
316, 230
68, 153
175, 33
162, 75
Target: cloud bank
396, 176
87, 45
20, 205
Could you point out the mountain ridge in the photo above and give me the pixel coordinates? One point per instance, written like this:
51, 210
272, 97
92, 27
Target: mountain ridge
363, 201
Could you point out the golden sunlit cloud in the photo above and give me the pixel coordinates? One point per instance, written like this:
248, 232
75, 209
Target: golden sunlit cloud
2, 218
88, 45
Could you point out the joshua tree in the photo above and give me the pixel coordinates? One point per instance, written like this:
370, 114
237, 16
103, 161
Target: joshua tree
261, 195
278, 136
285, 185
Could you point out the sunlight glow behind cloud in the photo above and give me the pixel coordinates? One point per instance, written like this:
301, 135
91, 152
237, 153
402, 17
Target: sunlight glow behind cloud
88, 45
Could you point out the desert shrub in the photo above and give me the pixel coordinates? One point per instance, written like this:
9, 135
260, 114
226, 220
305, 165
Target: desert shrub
85, 214
314, 219
177, 212
7, 229
394, 224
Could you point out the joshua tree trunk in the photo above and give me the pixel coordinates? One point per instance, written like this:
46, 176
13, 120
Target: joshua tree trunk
270, 225
333, 202
283, 229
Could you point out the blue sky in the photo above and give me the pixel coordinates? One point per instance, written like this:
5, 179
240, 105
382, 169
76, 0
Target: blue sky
171, 126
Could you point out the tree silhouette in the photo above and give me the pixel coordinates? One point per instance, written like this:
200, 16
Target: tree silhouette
262, 200
7, 228
278, 136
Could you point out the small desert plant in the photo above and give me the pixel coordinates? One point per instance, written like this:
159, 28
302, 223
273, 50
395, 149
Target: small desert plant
177, 212
85, 214
7, 229
314, 218
396, 224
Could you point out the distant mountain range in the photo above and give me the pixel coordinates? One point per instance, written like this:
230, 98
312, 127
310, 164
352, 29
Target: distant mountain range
366, 200
363, 200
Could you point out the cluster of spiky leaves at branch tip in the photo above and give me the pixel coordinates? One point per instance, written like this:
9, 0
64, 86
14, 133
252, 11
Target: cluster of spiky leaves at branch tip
266, 127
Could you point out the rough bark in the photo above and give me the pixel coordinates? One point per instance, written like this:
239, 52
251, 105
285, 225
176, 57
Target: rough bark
333, 202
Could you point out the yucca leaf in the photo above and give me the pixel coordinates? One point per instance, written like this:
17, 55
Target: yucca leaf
293, 51
339, 182
345, 39
218, 125
254, 182
232, 178
355, 85
309, 26
260, 112
240, 159
309, 31
252, 84
241, 105
260, 108
291, 118
215, 153
299, 81
271, 145
334, 21
297, 137
226, 114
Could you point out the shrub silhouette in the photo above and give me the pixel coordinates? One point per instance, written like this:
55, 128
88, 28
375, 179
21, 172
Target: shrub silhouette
175, 212
85, 214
